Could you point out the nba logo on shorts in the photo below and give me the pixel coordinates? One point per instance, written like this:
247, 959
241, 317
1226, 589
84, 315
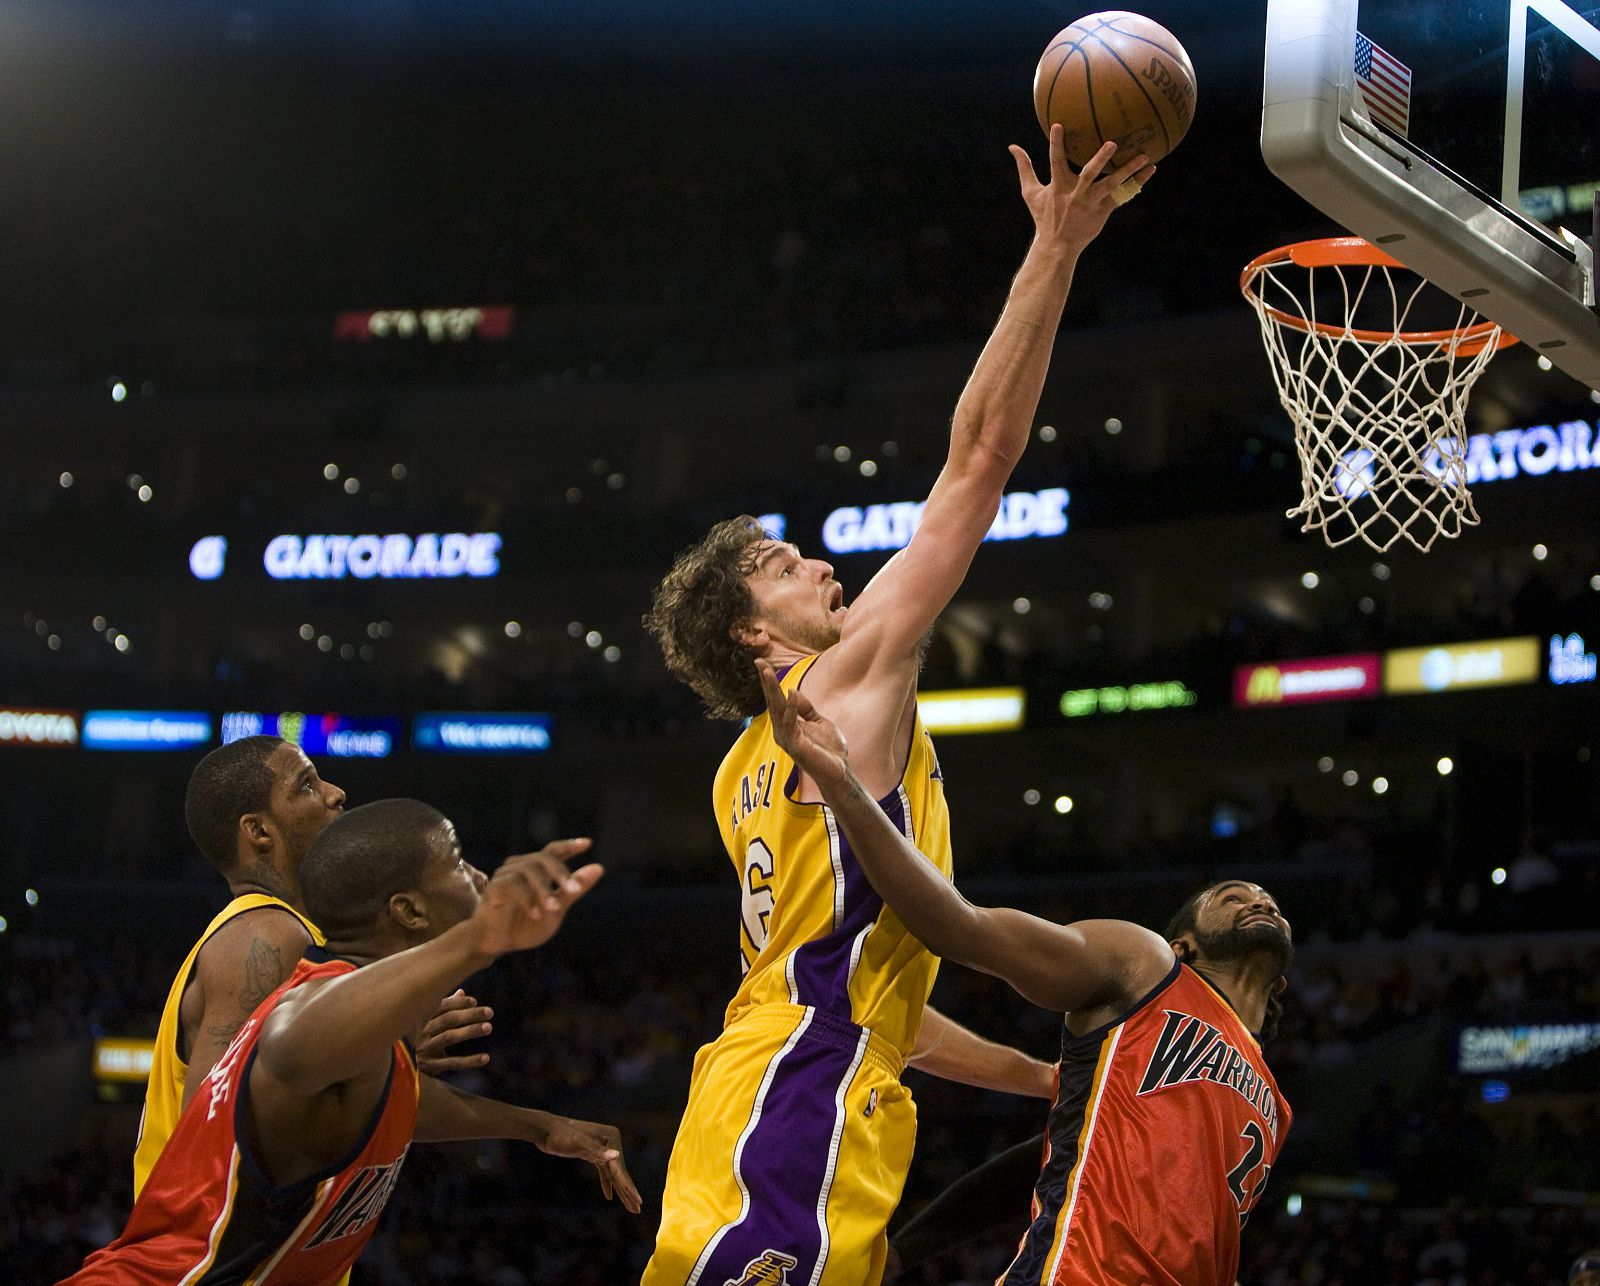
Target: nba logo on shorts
770, 1268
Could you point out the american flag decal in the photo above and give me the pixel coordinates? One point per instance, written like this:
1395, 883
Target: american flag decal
1385, 85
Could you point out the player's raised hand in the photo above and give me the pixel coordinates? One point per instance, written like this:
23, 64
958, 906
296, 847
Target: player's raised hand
812, 740
601, 1147
460, 1018
1072, 208
525, 901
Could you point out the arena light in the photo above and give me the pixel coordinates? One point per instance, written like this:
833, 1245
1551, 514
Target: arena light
1170, 695
436, 325
1498, 875
1570, 661
972, 710
388, 557
335, 735
123, 1059
24, 726
1491, 663
482, 734
1445, 766
145, 729
1482, 1051
1355, 677
208, 557
1023, 515
1063, 804
1533, 451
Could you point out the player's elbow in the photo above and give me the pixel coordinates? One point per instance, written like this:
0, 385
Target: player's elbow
986, 459
958, 936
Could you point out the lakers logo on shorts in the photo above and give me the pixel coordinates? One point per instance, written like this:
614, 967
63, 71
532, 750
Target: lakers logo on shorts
770, 1268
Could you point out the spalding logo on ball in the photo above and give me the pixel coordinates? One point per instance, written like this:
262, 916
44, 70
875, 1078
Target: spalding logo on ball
1115, 76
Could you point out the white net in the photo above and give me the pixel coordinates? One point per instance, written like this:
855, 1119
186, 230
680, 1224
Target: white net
1378, 404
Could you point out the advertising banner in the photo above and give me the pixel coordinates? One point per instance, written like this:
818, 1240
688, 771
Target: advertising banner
1304, 682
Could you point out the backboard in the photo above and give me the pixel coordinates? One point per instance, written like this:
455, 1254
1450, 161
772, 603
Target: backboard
1461, 136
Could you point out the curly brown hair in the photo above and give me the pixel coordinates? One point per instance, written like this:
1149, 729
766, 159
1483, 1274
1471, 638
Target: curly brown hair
696, 606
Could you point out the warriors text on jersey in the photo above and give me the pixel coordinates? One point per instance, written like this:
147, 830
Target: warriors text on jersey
1165, 1127
163, 1095
208, 1215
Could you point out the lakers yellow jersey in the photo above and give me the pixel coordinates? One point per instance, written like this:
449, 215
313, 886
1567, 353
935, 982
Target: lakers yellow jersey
812, 931
163, 1096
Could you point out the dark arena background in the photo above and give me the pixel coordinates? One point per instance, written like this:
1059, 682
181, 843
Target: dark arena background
531, 294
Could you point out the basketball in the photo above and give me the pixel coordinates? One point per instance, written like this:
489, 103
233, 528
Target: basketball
1115, 76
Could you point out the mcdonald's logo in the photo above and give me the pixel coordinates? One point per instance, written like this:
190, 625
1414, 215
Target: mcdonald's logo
1323, 678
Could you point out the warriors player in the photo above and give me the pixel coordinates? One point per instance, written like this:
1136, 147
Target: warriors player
797, 1135
1166, 1120
253, 807
279, 1168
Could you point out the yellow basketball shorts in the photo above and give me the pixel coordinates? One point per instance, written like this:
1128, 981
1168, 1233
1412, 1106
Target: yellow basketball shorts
790, 1157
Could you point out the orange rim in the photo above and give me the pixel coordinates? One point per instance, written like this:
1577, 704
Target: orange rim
1356, 252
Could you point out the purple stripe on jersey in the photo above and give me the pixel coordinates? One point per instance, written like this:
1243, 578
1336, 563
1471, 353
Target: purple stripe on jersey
786, 1159
822, 967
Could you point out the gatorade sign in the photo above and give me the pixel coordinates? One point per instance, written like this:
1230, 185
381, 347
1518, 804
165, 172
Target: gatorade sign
1023, 515
1324, 678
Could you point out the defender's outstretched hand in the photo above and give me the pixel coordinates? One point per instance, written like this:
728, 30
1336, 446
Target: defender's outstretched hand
525, 900
601, 1147
1072, 208
811, 739
460, 1018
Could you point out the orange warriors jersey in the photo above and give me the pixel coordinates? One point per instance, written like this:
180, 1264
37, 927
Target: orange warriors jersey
208, 1215
1165, 1127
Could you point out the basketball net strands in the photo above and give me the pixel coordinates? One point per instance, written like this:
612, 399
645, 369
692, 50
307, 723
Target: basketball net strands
1379, 409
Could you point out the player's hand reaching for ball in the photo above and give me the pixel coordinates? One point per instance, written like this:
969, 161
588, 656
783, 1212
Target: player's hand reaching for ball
1072, 208
526, 899
812, 740
601, 1147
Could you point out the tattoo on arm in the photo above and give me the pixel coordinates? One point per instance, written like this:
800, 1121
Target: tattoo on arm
263, 971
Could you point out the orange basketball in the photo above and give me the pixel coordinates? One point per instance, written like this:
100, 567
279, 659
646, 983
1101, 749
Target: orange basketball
1115, 76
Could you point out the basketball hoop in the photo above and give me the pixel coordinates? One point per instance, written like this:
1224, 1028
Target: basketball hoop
1378, 409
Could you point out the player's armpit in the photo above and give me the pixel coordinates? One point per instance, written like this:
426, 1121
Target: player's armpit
242, 964
1062, 967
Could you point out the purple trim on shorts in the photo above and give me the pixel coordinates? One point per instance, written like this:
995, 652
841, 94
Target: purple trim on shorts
822, 966
787, 1157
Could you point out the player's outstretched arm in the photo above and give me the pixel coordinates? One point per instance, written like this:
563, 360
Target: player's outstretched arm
952, 1052
994, 416
1058, 967
446, 1114
322, 1035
